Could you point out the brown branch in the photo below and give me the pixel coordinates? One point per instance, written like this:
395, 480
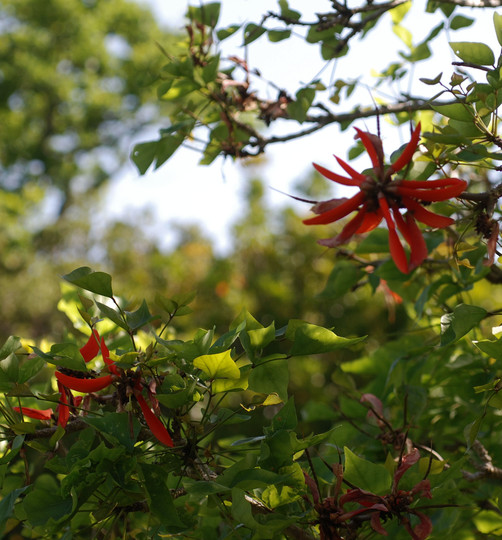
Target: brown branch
474, 3
327, 119
485, 469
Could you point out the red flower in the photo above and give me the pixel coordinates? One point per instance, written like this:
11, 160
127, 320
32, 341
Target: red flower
381, 197
37, 414
66, 382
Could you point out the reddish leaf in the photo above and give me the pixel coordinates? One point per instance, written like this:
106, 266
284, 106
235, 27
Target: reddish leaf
376, 525
339, 212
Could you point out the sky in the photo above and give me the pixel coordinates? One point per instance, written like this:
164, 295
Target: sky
181, 191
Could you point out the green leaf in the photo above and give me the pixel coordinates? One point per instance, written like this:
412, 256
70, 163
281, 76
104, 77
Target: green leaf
140, 317
456, 324
218, 366
286, 418
341, 280
491, 348
10, 346
112, 314
29, 368
121, 428
459, 21
398, 13
224, 33
7, 506
261, 337
433, 81
251, 32
278, 35
497, 23
66, 355
160, 499
95, 282
311, 339
403, 34
271, 376
473, 53
45, 502
365, 474
207, 14
457, 111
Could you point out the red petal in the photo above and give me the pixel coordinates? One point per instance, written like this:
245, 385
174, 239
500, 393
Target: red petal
424, 528
408, 152
84, 385
339, 212
91, 348
396, 248
425, 216
432, 190
336, 177
413, 236
37, 414
156, 426
350, 171
347, 232
376, 154
376, 524
374, 402
63, 409
371, 221
417, 243
107, 360
406, 462
312, 487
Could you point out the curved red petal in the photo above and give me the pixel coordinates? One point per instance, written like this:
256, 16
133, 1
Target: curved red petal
408, 152
63, 409
376, 524
350, 171
347, 232
91, 349
36, 414
337, 213
107, 360
426, 216
336, 177
84, 385
156, 426
417, 243
396, 248
370, 222
430, 195
373, 152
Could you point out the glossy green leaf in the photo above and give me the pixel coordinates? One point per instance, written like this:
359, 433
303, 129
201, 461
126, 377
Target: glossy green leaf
457, 324
252, 32
207, 14
95, 282
457, 111
224, 33
459, 21
344, 276
7, 506
270, 377
160, 499
118, 428
66, 355
497, 23
10, 346
278, 35
366, 475
311, 339
473, 53
218, 366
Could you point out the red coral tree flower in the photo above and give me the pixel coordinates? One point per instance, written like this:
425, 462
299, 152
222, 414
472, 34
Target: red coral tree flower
381, 198
67, 382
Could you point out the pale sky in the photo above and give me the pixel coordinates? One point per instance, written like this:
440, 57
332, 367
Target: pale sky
182, 191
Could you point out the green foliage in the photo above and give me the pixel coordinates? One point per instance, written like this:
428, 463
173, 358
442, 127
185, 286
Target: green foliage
352, 393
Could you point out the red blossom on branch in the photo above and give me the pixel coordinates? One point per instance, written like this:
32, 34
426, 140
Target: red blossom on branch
84, 384
381, 198
36, 414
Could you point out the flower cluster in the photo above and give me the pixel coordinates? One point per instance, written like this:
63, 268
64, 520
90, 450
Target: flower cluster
381, 197
68, 380
334, 518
